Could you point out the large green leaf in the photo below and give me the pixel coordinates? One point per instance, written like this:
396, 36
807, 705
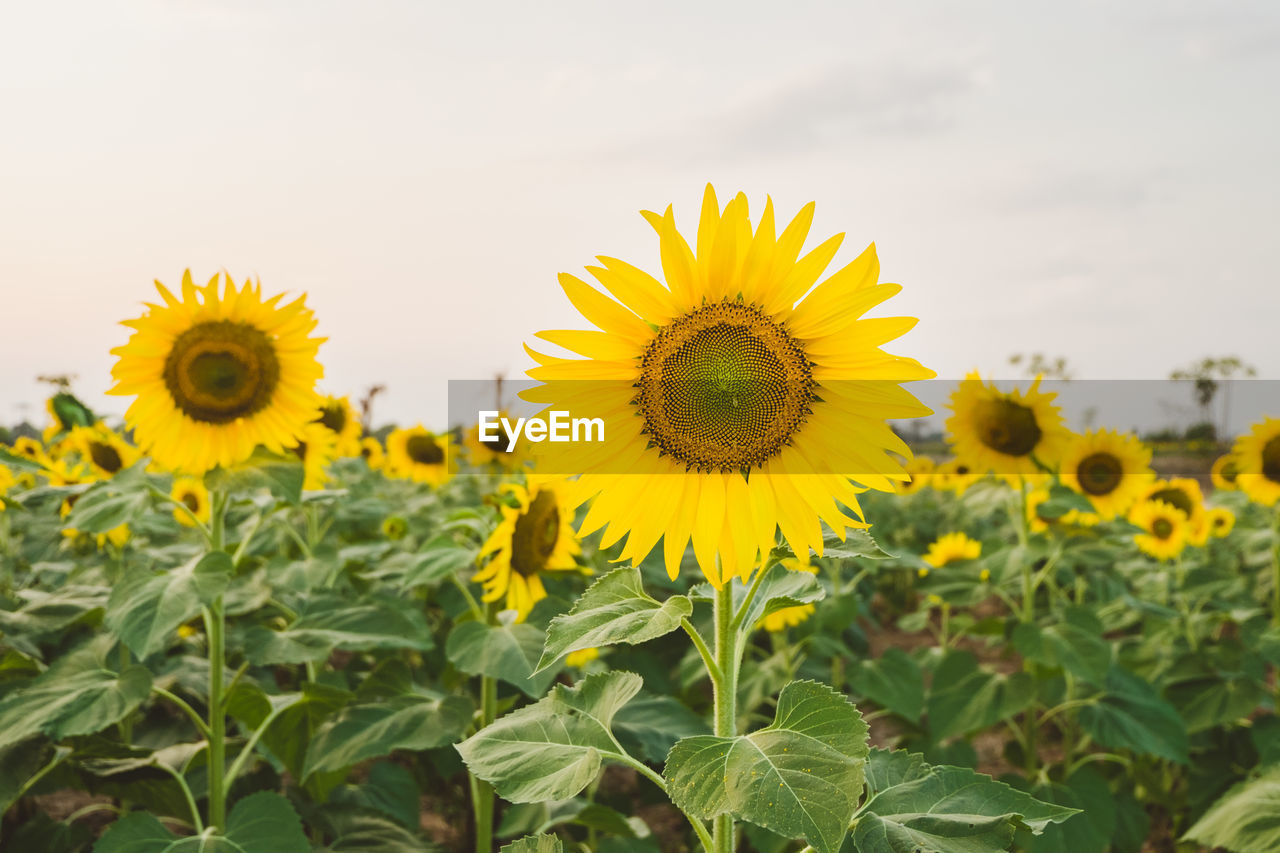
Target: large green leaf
966, 698
800, 777
43, 613
508, 651
109, 503
331, 623
912, 806
893, 681
260, 823
146, 608
1131, 715
614, 609
1075, 644
1245, 820
78, 695
1220, 698
281, 475
289, 736
369, 731
554, 748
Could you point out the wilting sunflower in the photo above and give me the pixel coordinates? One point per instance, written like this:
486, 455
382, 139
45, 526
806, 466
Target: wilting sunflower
371, 452
217, 375
418, 454
191, 493
1258, 461
789, 617
316, 447
535, 536
492, 451
1164, 526
738, 398
1108, 468
920, 473
1005, 432
1220, 520
952, 548
1182, 493
102, 449
340, 417
1223, 473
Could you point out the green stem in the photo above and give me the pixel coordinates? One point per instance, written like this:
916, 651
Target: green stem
482, 795
200, 724
708, 659
215, 623
726, 690
186, 793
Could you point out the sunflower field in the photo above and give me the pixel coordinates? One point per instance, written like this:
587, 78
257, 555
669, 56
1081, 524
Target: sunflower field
242, 619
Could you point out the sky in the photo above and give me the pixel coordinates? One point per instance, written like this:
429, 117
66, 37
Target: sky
1092, 180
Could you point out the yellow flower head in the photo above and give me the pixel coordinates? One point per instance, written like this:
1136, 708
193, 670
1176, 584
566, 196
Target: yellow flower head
740, 395
581, 657
954, 475
534, 536
493, 450
316, 448
1005, 432
372, 453
1223, 473
191, 493
31, 449
1257, 457
338, 415
951, 548
1182, 493
1108, 468
419, 455
787, 617
920, 473
1165, 528
1221, 521
215, 375
105, 452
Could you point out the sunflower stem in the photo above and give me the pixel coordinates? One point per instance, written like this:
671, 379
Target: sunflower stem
215, 630
726, 690
482, 795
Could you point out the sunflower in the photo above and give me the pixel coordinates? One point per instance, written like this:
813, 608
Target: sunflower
1221, 520
738, 398
191, 493
954, 475
1182, 493
1164, 528
340, 417
952, 548
102, 449
7, 481
1005, 432
1038, 523
372, 453
920, 473
1258, 462
30, 448
1223, 473
316, 449
581, 657
493, 451
419, 455
215, 376
534, 536
1108, 468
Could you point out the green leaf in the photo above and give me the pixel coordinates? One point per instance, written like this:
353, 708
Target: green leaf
389, 789
1245, 820
554, 748
965, 697
1088, 832
75, 696
913, 806
893, 681
614, 609
289, 736
650, 725
1061, 501
1215, 699
508, 651
21, 761
780, 588
281, 475
1131, 715
44, 613
1074, 644
363, 832
800, 777
331, 623
369, 731
260, 823
857, 544
146, 608
109, 503
535, 844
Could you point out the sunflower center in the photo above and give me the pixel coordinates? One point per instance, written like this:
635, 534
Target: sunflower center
1271, 460
191, 500
334, 417
1176, 498
724, 387
105, 457
221, 370
535, 536
1099, 473
1162, 528
1007, 427
423, 450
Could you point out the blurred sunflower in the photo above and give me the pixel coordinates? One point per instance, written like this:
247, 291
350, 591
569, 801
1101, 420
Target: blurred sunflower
951, 548
534, 536
1223, 473
1221, 521
954, 475
581, 657
338, 415
738, 398
1108, 468
215, 376
1182, 493
6, 483
1038, 522
1258, 462
1005, 432
789, 617
1164, 527
419, 455
493, 451
191, 493
30, 448
106, 452
316, 447
920, 473
372, 453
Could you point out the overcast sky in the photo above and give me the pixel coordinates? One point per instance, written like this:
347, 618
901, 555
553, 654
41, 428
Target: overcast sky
1098, 180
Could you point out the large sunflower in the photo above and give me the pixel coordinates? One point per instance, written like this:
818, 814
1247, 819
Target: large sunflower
1258, 462
1006, 432
418, 454
1108, 468
217, 375
535, 536
1165, 529
340, 417
105, 452
738, 399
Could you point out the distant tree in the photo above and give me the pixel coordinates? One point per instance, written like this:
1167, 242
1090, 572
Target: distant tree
1039, 364
1206, 377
